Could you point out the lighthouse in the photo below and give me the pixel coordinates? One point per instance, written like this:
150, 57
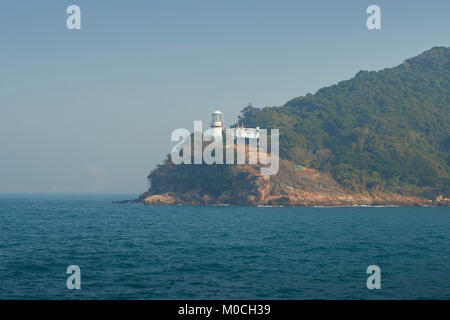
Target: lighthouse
217, 124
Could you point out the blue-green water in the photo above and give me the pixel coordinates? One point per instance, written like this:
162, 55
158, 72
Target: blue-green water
133, 251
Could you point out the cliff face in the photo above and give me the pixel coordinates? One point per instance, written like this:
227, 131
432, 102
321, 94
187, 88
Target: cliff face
292, 186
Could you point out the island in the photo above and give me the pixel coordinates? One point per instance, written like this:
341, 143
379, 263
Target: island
378, 139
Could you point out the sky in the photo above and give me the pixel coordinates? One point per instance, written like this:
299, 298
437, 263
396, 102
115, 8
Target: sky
92, 110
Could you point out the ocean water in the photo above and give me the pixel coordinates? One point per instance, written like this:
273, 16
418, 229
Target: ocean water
132, 251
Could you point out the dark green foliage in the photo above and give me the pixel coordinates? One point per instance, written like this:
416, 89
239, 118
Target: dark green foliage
387, 129
185, 178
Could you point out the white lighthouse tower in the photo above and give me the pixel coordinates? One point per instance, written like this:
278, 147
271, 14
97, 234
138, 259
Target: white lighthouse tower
217, 124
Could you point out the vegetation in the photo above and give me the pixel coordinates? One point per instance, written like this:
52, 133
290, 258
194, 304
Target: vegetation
188, 178
380, 130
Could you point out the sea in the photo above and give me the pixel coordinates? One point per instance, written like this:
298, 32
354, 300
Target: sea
133, 251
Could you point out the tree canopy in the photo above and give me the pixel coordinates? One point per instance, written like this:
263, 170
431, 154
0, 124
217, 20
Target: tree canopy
386, 129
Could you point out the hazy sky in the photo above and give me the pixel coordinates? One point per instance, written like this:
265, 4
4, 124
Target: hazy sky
91, 110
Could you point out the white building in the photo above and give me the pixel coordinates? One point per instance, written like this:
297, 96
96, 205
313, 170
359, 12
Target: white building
239, 132
248, 133
217, 123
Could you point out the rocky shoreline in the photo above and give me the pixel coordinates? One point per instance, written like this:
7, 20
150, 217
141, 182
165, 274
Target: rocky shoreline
290, 187
303, 199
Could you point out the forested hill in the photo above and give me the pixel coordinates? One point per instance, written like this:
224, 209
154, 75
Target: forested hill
380, 130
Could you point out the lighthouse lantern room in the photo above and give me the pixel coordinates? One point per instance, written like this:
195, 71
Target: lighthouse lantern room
217, 123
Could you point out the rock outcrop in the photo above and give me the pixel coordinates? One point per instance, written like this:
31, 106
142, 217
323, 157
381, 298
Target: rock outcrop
160, 199
441, 201
291, 187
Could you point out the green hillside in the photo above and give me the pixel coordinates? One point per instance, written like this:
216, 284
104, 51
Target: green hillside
379, 130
